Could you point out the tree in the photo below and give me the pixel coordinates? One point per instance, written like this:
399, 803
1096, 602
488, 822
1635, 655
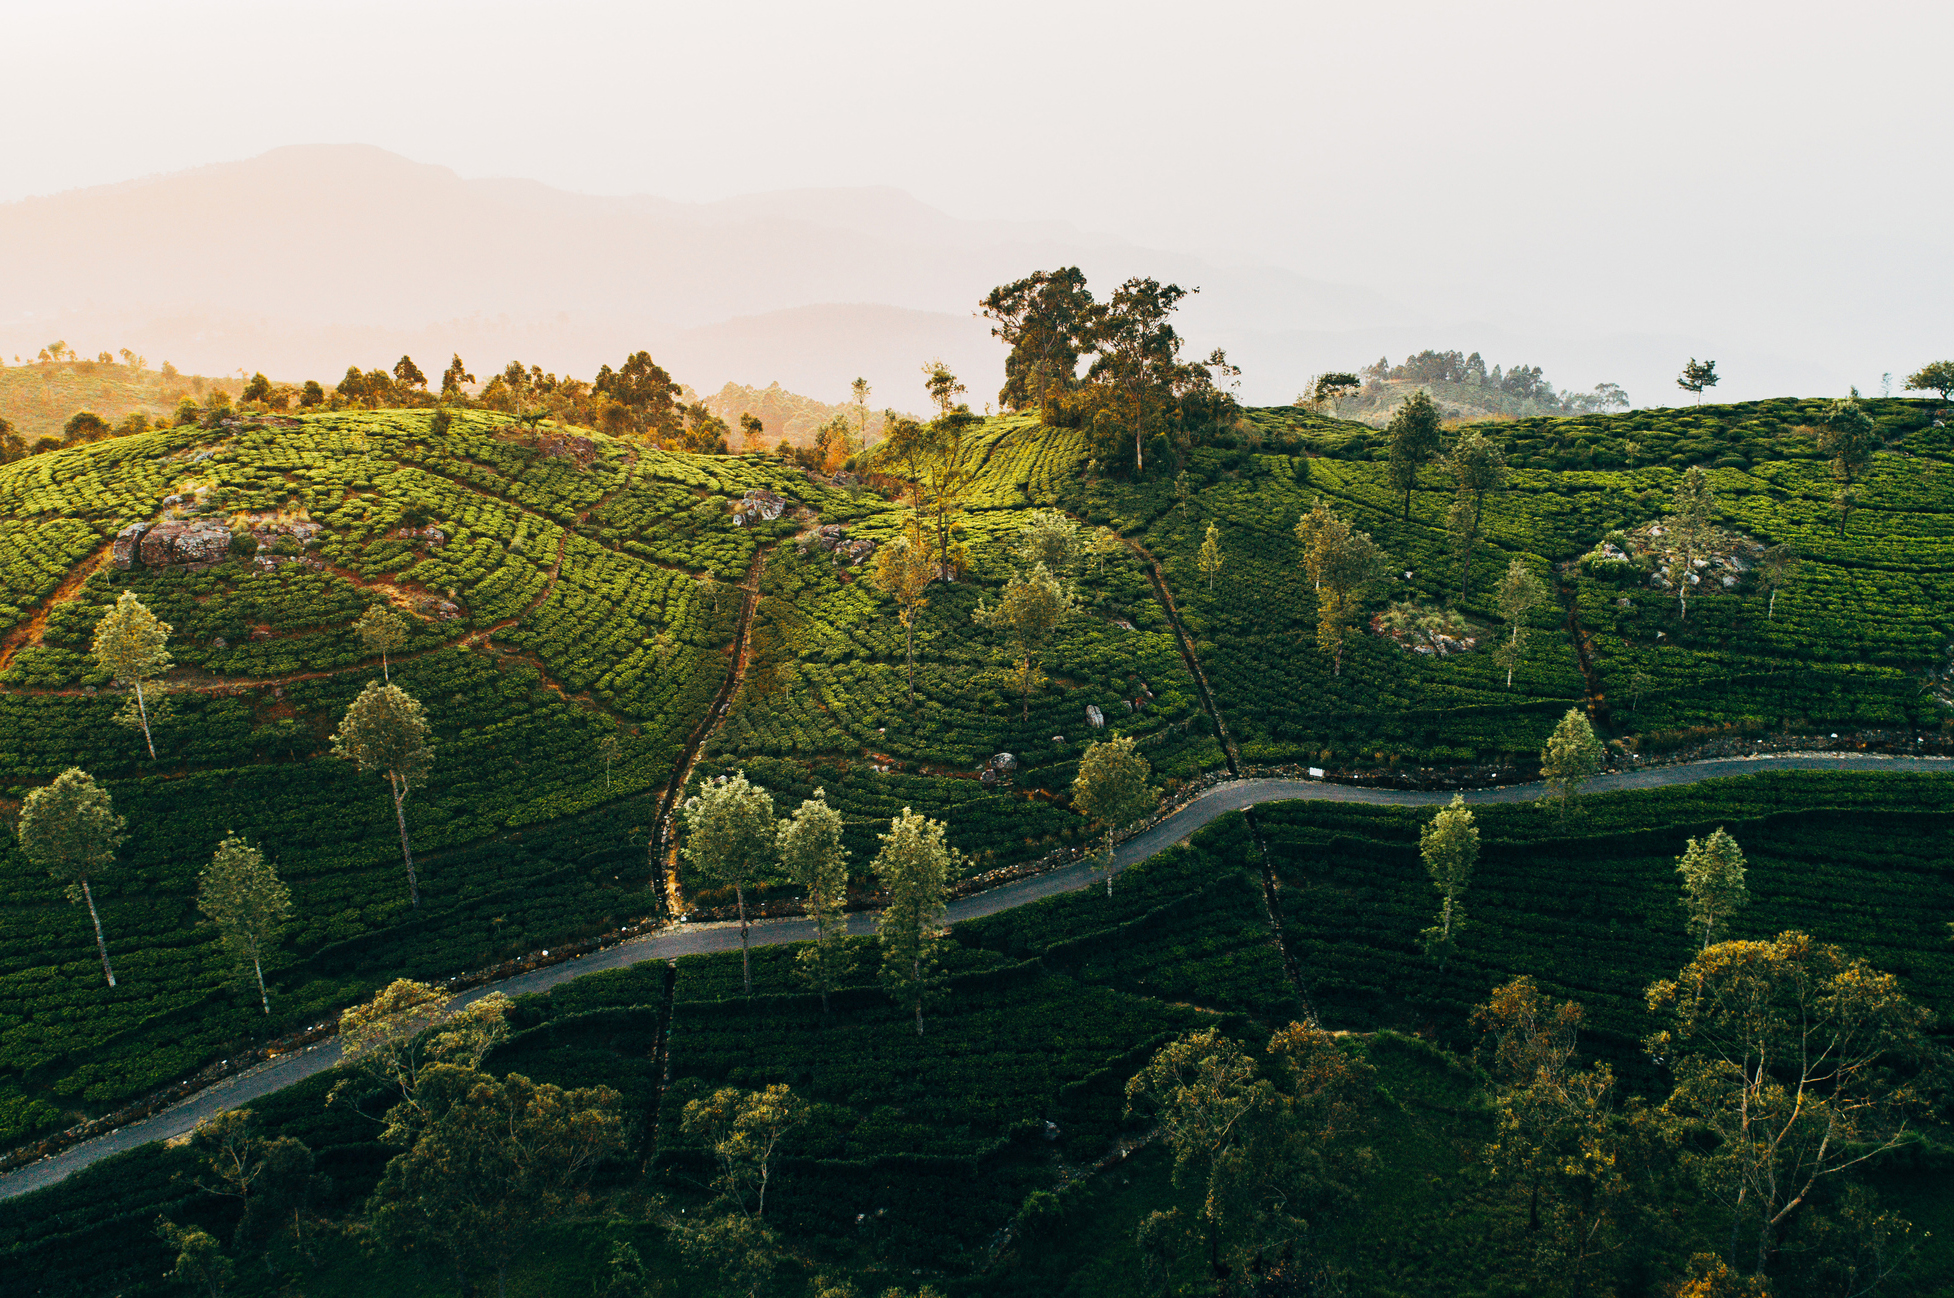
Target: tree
858, 393
311, 394
1797, 1062
258, 389
1520, 592
1032, 606
1936, 377
200, 1261
1414, 436
1138, 358
1775, 569
129, 645
1345, 566
704, 432
1449, 843
1309, 526
1050, 538
69, 828
386, 730
831, 443
948, 473
903, 571
1204, 1093
1571, 758
186, 414
241, 893
272, 1178
84, 426
381, 630
1328, 389
1041, 318
1713, 881
1111, 788
743, 1129
408, 375
1693, 507
1209, 560
914, 866
453, 377
730, 838
944, 387
409, 1026
753, 432
1850, 437
490, 1162
1556, 1134
1104, 541
811, 851
608, 751
648, 395
1477, 468
1696, 376
12, 445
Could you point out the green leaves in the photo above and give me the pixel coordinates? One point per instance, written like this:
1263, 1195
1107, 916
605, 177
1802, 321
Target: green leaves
69, 827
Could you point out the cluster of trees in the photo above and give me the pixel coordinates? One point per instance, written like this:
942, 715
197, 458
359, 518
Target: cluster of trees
70, 828
1521, 382
1138, 400
1793, 1064
734, 840
1347, 568
59, 352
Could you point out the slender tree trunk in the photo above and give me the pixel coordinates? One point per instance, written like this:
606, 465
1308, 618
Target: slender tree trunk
1214, 1249
746, 955
385, 671
406, 852
101, 943
909, 648
258, 967
1472, 535
1771, 609
141, 708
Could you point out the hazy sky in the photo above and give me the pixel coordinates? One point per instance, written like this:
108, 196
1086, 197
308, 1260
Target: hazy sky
1766, 174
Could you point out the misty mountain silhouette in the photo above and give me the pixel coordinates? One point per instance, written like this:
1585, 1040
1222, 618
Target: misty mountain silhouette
309, 258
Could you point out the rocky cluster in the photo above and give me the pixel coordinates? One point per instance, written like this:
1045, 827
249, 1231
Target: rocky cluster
834, 538
157, 545
759, 506
997, 767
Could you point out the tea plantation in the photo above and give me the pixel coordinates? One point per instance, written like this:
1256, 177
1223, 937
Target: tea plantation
919, 1151
714, 614
1860, 641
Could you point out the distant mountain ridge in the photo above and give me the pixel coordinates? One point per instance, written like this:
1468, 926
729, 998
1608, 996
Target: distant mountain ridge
306, 259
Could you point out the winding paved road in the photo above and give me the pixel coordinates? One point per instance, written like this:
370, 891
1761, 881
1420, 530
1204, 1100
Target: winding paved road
693, 939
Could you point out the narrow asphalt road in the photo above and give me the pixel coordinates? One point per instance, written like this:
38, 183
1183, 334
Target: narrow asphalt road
694, 939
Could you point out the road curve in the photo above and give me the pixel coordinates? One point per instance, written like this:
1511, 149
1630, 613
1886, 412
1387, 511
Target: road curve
695, 939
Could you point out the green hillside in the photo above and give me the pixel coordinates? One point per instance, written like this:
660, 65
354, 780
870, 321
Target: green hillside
38, 399
565, 587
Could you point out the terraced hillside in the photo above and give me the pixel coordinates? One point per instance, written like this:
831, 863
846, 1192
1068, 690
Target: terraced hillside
1860, 639
561, 587
561, 590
